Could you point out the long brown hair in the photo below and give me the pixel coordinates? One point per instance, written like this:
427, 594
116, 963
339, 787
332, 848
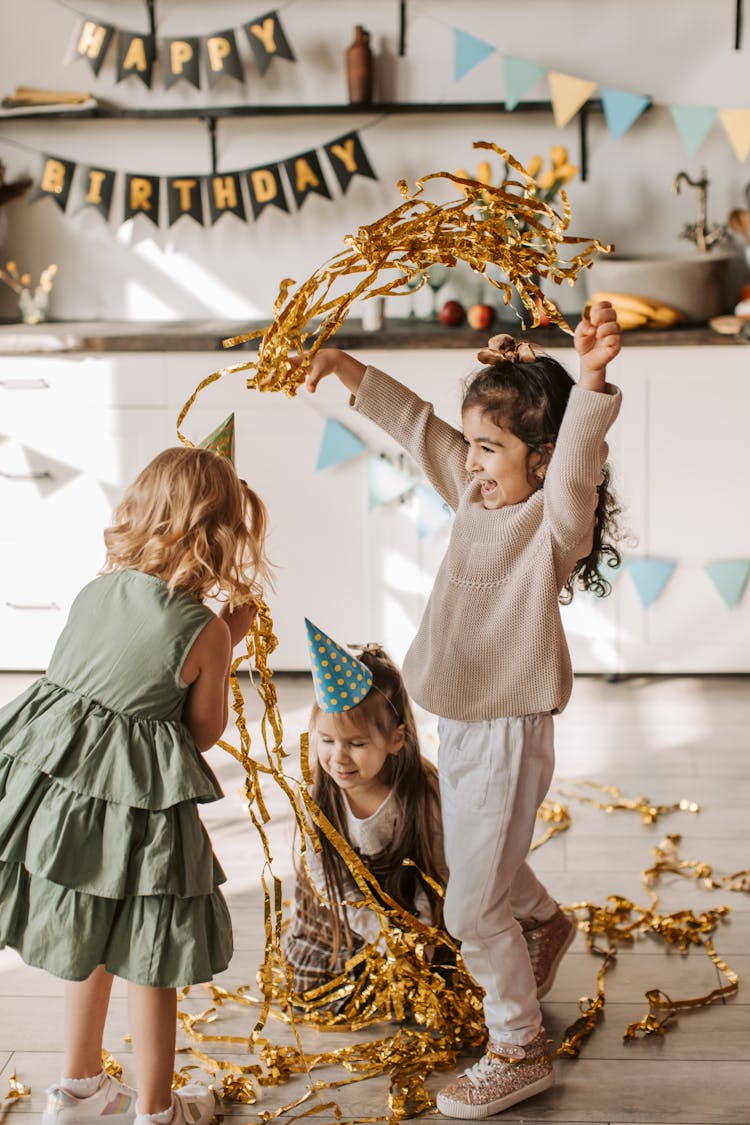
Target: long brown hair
188, 518
529, 399
414, 784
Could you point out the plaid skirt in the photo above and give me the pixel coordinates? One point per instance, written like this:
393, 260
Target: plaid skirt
307, 942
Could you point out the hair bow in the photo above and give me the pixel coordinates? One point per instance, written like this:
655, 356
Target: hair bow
506, 349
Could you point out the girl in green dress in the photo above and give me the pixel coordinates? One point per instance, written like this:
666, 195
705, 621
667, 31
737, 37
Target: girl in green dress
105, 867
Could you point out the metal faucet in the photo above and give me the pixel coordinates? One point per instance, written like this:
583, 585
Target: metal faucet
699, 232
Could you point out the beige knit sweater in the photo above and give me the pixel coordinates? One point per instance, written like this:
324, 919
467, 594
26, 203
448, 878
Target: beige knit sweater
491, 641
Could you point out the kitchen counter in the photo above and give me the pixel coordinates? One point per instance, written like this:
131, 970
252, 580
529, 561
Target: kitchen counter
70, 337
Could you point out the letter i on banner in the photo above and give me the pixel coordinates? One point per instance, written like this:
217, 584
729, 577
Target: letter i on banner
348, 159
142, 197
55, 181
267, 40
97, 186
222, 57
90, 41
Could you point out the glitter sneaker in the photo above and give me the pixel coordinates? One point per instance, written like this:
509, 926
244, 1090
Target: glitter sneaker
505, 1074
194, 1104
113, 1102
548, 943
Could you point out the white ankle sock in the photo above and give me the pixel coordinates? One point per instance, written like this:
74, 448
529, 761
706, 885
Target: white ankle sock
82, 1087
163, 1117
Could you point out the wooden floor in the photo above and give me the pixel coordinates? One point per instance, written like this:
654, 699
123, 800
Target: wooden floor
665, 738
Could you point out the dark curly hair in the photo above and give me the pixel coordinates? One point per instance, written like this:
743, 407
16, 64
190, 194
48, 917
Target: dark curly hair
529, 399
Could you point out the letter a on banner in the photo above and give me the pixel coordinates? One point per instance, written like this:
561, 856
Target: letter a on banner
265, 188
135, 55
90, 41
306, 176
267, 40
55, 180
348, 159
142, 197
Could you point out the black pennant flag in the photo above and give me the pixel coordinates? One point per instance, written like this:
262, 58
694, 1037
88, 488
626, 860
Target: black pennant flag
135, 55
97, 185
181, 61
267, 39
55, 180
265, 187
221, 56
142, 197
184, 198
306, 176
90, 41
348, 159
225, 196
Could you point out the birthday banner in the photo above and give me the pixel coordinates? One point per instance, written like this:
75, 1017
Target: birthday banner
285, 184
622, 108
180, 56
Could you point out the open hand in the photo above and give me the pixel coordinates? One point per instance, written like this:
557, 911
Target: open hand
598, 339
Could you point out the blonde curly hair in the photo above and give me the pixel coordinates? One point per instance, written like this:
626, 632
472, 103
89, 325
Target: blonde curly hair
188, 519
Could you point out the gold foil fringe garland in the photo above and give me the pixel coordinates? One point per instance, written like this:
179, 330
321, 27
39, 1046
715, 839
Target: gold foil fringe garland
505, 234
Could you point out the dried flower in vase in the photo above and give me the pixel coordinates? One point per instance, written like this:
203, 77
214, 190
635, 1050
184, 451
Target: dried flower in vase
32, 301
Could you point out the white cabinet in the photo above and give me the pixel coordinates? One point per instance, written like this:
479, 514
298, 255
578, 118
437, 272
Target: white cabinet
74, 432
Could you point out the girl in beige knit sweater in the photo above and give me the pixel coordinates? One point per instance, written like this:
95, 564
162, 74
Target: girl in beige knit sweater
534, 517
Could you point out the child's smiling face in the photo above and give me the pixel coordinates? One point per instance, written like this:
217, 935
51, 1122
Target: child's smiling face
354, 757
497, 459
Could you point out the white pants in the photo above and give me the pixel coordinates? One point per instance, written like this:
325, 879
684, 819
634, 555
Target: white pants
494, 775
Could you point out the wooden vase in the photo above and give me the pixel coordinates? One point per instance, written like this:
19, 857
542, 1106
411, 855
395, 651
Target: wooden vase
359, 67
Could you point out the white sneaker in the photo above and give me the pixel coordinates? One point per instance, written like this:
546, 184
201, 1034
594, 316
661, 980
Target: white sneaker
194, 1104
113, 1102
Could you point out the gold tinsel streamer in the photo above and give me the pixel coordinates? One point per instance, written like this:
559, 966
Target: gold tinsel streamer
506, 228
649, 812
16, 1090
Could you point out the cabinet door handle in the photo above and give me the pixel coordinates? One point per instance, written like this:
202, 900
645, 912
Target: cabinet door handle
25, 384
30, 605
41, 475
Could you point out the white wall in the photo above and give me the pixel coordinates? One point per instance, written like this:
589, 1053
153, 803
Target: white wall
678, 52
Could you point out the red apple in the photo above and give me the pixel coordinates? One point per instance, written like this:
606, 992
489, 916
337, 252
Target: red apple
480, 316
452, 313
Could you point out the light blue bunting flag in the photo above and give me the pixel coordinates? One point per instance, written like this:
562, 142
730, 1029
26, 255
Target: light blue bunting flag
730, 578
622, 109
386, 482
468, 52
650, 577
432, 511
341, 681
693, 123
338, 445
520, 76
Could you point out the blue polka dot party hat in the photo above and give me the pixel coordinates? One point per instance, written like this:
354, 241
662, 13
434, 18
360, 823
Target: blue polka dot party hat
341, 680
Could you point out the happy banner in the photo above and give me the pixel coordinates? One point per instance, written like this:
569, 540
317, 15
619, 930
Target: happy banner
205, 198
181, 57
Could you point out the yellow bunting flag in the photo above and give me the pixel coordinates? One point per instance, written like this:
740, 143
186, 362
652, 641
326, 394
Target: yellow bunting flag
737, 125
568, 95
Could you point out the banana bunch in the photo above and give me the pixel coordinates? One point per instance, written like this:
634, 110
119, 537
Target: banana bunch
638, 312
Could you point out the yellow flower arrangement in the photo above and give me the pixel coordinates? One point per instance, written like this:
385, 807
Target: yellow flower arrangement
32, 301
544, 183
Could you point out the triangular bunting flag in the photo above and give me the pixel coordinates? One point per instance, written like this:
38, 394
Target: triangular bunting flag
386, 482
694, 122
568, 95
468, 52
338, 445
221, 440
730, 578
520, 76
737, 125
432, 511
340, 679
650, 577
622, 109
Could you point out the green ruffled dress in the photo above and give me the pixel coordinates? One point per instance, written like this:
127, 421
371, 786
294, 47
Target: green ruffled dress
103, 856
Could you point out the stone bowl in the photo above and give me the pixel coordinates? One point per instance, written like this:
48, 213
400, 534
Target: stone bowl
696, 284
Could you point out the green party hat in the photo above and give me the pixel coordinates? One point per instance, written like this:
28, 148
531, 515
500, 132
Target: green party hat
341, 680
222, 439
